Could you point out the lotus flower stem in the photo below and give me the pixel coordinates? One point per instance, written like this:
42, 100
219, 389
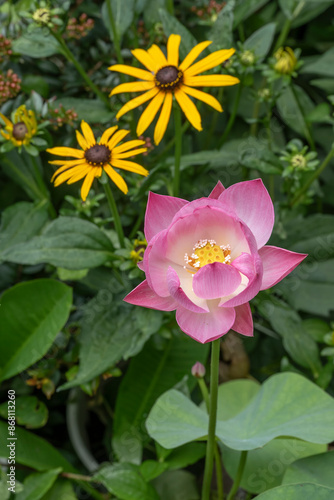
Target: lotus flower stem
238, 477
115, 214
219, 469
210, 447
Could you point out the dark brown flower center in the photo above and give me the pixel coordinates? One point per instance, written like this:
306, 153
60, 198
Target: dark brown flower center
19, 131
98, 155
168, 77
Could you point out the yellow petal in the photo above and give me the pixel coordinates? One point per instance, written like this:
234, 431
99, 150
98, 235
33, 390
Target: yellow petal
82, 142
88, 134
132, 71
130, 166
210, 61
68, 174
79, 176
193, 54
87, 183
163, 120
107, 134
148, 115
145, 58
158, 55
67, 163
189, 109
128, 154
137, 101
63, 151
210, 80
7, 122
173, 50
132, 87
127, 146
118, 137
116, 178
202, 96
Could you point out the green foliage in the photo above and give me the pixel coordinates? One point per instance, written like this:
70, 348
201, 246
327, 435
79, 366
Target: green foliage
31, 316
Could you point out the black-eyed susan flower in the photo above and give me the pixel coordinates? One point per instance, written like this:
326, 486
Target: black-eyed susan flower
96, 157
22, 129
165, 78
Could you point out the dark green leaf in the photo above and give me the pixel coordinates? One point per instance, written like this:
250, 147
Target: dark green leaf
90, 110
177, 485
317, 469
260, 41
36, 44
221, 34
67, 242
122, 13
31, 315
126, 482
20, 222
172, 25
29, 411
37, 484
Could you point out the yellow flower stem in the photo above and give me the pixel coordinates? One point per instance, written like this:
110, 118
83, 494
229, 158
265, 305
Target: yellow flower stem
240, 471
219, 468
210, 446
71, 58
312, 178
232, 117
178, 150
170, 144
283, 35
114, 213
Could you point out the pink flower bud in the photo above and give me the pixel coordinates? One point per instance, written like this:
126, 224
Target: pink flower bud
198, 370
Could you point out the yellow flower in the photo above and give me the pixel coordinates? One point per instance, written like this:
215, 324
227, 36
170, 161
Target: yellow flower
139, 247
23, 128
286, 60
96, 157
166, 77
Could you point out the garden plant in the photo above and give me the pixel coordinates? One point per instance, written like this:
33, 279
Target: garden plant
166, 249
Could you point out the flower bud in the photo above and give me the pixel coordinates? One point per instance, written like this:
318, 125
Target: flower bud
198, 370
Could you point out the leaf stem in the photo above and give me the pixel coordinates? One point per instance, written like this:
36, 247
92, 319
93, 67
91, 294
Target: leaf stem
178, 150
312, 178
215, 351
283, 34
114, 213
240, 471
71, 58
232, 117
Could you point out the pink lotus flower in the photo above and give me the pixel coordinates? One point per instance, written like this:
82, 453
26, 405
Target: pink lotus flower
206, 258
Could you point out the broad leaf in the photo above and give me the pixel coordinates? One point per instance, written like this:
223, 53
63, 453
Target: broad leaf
317, 469
20, 222
31, 315
245, 8
29, 411
37, 484
36, 44
293, 105
122, 13
44, 455
221, 34
126, 482
304, 491
172, 25
260, 41
286, 405
61, 490
177, 485
265, 466
67, 242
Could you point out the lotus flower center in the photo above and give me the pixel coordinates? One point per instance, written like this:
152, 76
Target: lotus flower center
168, 77
20, 130
98, 155
207, 252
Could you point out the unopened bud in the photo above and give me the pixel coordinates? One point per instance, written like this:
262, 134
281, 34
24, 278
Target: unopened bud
198, 370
